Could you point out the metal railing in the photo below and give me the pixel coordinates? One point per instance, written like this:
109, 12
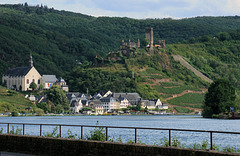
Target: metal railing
116, 127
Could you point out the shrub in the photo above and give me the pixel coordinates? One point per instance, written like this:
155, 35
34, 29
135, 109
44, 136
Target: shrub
14, 113
98, 133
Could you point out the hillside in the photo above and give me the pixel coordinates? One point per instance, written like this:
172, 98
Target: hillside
13, 101
152, 76
59, 40
69, 45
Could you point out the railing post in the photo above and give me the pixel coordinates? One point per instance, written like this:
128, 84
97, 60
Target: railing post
40, 129
60, 131
106, 134
211, 141
8, 128
23, 129
81, 132
135, 135
169, 137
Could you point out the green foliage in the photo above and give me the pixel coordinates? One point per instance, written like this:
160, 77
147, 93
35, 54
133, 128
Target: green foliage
14, 113
44, 106
219, 98
70, 135
58, 97
98, 133
33, 85
96, 79
41, 87
59, 109
17, 131
1, 130
39, 112
53, 134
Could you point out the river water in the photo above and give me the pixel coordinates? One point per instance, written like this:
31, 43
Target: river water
144, 136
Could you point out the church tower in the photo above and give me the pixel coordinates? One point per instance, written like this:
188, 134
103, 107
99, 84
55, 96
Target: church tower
31, 61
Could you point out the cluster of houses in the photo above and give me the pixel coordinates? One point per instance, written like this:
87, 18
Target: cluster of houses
109, 102
20, 78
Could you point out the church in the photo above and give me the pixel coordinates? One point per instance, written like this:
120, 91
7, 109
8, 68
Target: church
20, 78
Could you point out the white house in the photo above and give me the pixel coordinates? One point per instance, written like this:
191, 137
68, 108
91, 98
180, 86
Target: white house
48, 81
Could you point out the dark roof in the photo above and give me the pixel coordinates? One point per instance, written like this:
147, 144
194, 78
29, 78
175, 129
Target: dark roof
19, 71
129, 96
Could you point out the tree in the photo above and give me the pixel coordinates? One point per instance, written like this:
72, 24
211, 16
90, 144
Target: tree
41, 86
58, 96
219, 98
33, 86
44, 106
59, 109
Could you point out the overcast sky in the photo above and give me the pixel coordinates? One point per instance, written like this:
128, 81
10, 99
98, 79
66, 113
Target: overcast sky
141, 9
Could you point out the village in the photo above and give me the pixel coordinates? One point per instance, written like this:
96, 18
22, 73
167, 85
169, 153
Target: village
103, 102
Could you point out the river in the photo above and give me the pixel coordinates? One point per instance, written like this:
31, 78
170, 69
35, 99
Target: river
144, 136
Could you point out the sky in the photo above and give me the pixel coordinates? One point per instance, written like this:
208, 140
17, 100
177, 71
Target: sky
142, 9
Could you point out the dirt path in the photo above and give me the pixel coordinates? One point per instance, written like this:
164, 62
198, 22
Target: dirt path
188, 66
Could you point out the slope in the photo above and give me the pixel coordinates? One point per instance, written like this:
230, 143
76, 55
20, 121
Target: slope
13, 101
59, 40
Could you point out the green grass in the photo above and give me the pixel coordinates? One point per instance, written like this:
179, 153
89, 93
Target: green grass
188, 100
169, 84
183, 110
155, 77
175, 90
165, 96
11, 100
152, 73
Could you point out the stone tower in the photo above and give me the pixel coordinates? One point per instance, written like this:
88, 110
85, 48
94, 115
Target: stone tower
149, 36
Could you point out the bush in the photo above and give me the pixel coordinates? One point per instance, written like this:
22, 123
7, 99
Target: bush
99, 134
15, 113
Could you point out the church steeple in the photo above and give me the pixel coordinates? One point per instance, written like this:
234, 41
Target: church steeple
31, 61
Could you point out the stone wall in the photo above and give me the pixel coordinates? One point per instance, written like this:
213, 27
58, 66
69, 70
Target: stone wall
59, 146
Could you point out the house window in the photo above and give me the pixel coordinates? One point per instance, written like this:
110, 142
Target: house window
27, 81
33, 80
39, 81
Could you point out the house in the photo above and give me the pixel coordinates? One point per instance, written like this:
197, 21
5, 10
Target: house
152, 104
124, 103
62, 84
75, 105
109, 104
48, 81
133, 98
163, 106
97, 105
20, 78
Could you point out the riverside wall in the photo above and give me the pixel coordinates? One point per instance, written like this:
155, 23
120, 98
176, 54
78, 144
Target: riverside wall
36, 145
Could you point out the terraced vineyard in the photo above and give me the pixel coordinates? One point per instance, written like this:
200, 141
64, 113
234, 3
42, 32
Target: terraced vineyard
179, 96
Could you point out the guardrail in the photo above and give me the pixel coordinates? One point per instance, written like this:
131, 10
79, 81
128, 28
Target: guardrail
114, 127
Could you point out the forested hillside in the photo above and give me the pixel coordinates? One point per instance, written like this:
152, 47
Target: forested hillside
59, 40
